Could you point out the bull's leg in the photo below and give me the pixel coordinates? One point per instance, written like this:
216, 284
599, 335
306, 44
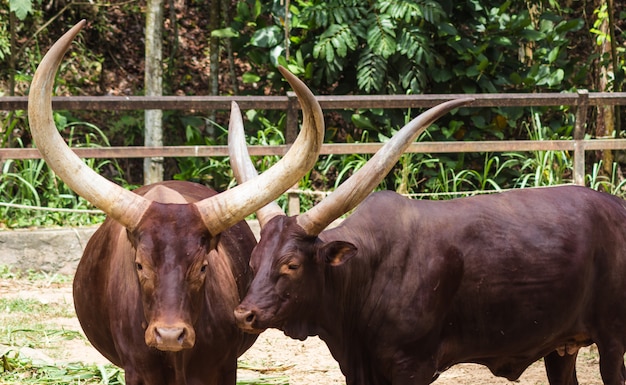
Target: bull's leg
228, 374
612, 367
132, 377
561, 370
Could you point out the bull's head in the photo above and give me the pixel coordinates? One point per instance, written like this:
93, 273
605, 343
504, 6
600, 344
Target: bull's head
290, 258
171, 235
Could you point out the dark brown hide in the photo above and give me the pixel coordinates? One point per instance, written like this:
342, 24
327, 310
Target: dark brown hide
164, 284
404, 289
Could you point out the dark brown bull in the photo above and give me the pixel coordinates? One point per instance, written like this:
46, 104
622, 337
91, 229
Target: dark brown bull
404, 289
157, 285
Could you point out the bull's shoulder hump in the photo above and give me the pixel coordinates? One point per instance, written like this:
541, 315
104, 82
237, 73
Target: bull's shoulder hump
175, 192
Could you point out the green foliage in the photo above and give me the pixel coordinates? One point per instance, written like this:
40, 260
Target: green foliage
613, 184
542, 168
213, 172
21, 8
216, 171
336, 40
36, 277
19, 370
425, 46
5, 42
371, 68
21, 305
30, 182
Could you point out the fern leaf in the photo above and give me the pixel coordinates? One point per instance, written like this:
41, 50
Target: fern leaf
412, 11
337, 40
417, 46
326, 13
371, 71
381, 36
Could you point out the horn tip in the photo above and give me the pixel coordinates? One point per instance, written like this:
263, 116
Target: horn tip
78, 26
288, 75
458, 102
464, 99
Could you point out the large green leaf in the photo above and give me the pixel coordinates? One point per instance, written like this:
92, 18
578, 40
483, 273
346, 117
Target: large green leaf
267, 37
225, 33
21, 8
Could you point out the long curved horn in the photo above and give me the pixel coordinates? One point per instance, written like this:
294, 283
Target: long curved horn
351, 192
218, 212
122, 205
223, 210
242, 165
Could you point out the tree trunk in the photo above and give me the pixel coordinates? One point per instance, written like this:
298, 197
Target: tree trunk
173, 41
214, 54
229, 48
5, 133
214, 46
13, 51
605, 126
153, 167
617, 71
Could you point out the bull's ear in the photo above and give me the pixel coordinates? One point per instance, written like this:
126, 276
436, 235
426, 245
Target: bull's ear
337, 252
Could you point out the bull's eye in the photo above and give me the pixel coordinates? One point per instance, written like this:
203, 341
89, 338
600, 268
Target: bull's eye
203, 268
289, 268
138, 266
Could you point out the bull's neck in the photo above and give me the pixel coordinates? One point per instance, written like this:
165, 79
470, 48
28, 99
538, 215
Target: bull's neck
347, 287
350, 303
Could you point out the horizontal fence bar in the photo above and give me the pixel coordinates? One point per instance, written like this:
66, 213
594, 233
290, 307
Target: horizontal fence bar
579, 100
328, 149
9, 103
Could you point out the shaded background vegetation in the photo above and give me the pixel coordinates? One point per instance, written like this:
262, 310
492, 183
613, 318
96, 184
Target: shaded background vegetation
338, 47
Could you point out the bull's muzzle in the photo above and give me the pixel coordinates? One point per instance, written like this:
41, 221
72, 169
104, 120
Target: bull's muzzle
246, 319
170, 337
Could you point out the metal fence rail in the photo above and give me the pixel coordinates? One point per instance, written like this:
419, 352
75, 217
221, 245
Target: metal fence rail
581, 100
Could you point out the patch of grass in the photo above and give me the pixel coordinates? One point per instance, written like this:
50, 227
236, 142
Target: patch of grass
32, 339
36, 337
18, 370
264, 380
26, 323
47, 200
33, 306
8, 272
15, 370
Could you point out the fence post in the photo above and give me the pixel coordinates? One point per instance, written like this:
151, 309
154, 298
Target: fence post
579, 135
291, 132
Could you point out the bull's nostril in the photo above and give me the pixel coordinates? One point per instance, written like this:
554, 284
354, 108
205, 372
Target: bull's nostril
250, 318
169, 335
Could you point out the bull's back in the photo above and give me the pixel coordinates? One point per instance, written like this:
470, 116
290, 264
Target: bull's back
502, 279
538, 269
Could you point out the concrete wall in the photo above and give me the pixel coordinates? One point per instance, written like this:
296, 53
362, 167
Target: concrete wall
51, 250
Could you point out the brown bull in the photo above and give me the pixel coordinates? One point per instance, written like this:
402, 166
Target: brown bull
156, 287
404, 289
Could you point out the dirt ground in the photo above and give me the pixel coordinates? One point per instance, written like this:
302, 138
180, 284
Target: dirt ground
274, 354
